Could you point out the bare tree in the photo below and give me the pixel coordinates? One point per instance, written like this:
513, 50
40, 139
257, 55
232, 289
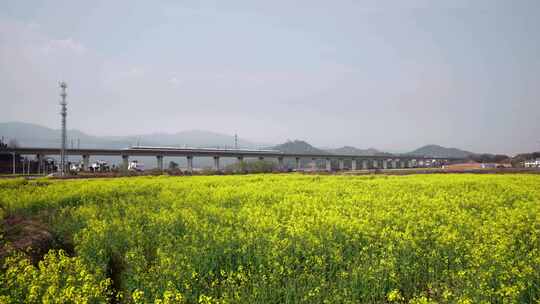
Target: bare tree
173, 165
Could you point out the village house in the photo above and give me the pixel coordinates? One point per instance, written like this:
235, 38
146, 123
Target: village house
532, 163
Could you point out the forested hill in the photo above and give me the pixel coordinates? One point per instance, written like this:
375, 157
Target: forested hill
440, 151
298, 146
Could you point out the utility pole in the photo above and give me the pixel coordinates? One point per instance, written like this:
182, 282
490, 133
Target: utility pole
71, 140
63, 104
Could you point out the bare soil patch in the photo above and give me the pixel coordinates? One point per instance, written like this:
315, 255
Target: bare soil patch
30, 236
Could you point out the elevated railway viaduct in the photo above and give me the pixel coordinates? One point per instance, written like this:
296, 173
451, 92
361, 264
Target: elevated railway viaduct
357, 162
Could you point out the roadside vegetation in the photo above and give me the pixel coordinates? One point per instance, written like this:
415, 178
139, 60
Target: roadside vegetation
272, 239
257, 166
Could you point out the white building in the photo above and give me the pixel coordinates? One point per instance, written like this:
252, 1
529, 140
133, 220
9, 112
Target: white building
135, 166
533, 163
488, 165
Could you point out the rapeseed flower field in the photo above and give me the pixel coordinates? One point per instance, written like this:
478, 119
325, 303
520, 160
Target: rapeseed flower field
278, 239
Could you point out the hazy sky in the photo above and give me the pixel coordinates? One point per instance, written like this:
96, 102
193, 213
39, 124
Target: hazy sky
387, 74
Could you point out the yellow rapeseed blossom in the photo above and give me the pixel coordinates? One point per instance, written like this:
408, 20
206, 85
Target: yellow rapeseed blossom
278, 239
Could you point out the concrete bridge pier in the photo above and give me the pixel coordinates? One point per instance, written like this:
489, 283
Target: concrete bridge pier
385, 164
402, 163
86, 162
216, 163
394, 164
281, 166
240, 164
328, 165
13, 164
40, 163
159, 162
409, 163
298, 164
364, 164
341, 165
353, 164
125, 163
375, 164
189, 163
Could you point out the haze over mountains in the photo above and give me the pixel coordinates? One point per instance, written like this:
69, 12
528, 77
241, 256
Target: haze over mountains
28, 134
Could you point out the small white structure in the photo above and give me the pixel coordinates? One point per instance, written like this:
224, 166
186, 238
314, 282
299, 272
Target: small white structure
533, 163
99, 166
136, 166
76, 167
488, 165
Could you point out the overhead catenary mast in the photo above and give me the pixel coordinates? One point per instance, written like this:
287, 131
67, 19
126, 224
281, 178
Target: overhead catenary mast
63, 104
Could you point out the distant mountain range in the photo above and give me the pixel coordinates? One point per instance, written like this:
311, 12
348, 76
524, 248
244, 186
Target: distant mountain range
28, 134
299, 146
